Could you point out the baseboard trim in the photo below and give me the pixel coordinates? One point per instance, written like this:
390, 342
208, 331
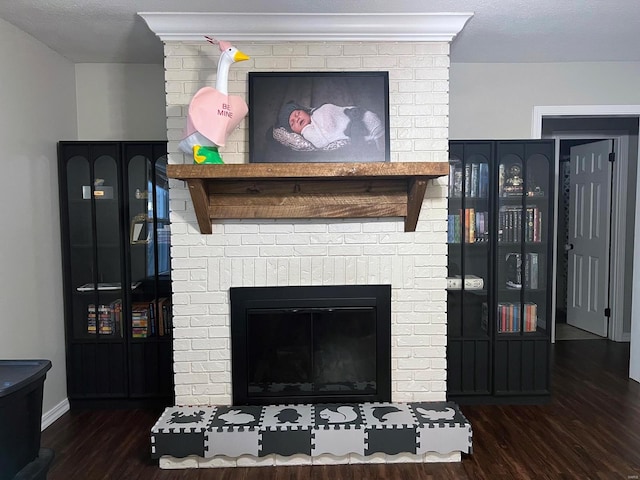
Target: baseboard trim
55, 413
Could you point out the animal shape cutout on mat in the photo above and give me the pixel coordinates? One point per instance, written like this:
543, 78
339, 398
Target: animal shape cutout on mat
180, 417
213, 113
236, 417
288, 415
342, 414
446, 414
387, 413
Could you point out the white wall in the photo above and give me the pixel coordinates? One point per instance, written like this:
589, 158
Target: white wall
37, 94
119, 101
46, 98
496, 100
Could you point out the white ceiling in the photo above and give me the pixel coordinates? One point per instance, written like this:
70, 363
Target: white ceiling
107, 31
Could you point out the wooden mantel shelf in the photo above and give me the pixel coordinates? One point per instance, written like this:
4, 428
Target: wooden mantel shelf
308, 190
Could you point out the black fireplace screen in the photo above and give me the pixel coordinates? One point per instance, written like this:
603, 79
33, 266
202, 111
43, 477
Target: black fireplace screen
311, 344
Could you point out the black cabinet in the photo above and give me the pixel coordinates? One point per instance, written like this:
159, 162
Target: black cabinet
500, 233
117, 287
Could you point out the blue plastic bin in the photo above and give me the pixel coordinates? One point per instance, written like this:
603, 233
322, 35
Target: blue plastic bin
21, 387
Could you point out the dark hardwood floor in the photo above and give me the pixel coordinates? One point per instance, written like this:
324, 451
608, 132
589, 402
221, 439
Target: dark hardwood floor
590, 430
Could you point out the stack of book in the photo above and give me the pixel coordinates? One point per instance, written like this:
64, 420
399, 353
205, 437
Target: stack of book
470, 226
513, 318
140, 320
106, 319
151, 318
511, 228
147, 318
472, 178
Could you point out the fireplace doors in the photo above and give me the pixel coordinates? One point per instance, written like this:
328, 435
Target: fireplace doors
311, 344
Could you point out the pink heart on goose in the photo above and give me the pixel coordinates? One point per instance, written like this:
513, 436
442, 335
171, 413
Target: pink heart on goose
215, 115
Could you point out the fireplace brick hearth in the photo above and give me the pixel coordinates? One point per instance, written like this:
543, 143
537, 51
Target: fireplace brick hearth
307, 434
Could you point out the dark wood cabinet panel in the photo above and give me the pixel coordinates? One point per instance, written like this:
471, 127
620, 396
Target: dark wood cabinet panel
117, 286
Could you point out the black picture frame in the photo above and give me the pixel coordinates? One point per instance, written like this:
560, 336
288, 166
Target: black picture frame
362, 96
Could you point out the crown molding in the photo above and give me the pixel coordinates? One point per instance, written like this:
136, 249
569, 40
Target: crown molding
324, 27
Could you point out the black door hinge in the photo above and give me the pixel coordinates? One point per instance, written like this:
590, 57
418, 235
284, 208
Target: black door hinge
612, 157
607, 312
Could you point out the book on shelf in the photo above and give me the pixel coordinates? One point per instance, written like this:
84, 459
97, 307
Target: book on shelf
483, 189
469, 225
475, 180
455, 180
161, 316
467, 180
152, 319
471, 282
167, 317
532, 271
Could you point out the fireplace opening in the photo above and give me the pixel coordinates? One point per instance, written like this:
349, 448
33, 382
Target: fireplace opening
311, 344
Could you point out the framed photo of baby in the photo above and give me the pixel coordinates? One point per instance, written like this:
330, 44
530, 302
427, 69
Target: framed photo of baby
318, 117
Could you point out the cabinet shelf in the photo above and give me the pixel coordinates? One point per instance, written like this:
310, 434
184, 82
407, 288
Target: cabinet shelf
472, 291
309, 190
519, 244
470, 244
92, 340
152, 339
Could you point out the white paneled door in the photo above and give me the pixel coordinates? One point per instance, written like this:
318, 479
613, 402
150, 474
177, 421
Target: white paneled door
588, 246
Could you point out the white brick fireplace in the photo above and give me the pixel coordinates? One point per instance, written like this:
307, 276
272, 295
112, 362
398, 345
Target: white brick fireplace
313, 252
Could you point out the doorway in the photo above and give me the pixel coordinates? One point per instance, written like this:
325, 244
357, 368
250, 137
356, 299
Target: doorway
580, 130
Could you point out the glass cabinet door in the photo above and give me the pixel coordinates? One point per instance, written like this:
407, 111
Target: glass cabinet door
149, 304
94, 243
524, 230
523, 239
512, 231
468, 302
148, 207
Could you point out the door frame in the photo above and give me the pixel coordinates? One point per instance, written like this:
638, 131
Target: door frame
539, 112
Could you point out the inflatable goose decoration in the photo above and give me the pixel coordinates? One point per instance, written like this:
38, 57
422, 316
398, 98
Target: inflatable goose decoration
213, 113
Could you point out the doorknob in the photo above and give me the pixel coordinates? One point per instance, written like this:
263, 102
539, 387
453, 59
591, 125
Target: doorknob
568, 246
